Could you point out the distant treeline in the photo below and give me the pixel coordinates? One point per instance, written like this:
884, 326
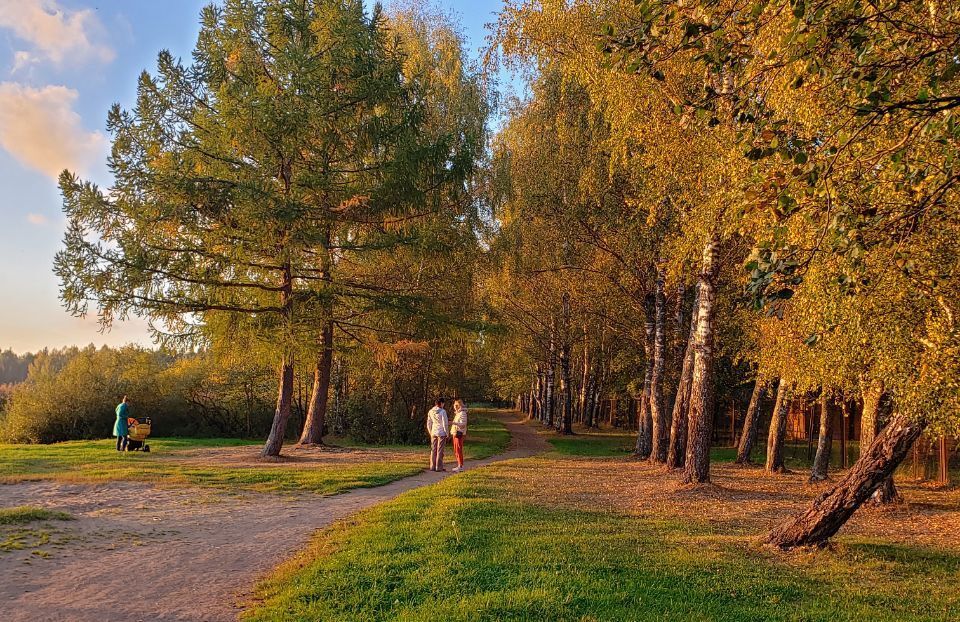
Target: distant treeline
14, 367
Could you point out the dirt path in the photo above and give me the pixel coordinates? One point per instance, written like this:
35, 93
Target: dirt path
139, 552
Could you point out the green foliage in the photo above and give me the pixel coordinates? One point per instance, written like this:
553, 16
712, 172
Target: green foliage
369, 420
72, 394
311, 166
14, 367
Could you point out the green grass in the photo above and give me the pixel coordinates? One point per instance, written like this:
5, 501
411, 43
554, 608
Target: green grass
96, 461
595, 443
795, 453
17, 531
486, 437
605, 443
24, 514
468, 550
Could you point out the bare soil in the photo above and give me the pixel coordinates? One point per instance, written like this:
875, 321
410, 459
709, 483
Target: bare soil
141, 552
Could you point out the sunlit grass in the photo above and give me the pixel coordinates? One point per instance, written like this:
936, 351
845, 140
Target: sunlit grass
470, 548
24, 514
98, 461
610, 442
592, 442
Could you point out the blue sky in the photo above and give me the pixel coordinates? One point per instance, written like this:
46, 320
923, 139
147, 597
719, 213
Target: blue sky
62, 64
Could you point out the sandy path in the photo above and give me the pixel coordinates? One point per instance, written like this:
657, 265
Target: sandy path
143, 553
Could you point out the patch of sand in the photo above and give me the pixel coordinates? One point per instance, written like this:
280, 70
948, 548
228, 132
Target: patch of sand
295, 456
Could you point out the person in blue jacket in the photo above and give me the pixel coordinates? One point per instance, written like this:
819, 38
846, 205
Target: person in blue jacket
120, 429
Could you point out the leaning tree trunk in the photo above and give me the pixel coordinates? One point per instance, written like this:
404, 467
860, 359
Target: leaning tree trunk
285, 390
821, 462
748, 435
317, 412
284, 399
700, 417
875, 402
778, 429
681, 403
644, 423
828, 513
659, 417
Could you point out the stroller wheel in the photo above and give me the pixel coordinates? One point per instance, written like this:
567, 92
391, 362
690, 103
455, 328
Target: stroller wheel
146, 448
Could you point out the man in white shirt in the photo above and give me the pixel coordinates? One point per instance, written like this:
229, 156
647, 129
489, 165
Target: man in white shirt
437, 425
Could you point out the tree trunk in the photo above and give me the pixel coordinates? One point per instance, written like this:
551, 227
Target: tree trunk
532, 399
317, 413
644, 420
285, 390
585, 380
821, 463
778, 429
567, 397
549, 397
844, 428
566, 389
700, 418
875, 403
676, 456
284, 399
750, 423
590, 421
539, 408
828, 513
660, 422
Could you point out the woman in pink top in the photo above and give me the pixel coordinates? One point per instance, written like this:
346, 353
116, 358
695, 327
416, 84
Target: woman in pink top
459, 431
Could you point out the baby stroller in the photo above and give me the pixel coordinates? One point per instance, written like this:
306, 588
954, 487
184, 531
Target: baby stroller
137, 432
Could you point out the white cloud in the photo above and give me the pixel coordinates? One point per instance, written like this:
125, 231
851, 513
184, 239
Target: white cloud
54, 33
21, 59
38, 219
39, 128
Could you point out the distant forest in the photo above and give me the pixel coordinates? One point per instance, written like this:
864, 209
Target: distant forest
14, 367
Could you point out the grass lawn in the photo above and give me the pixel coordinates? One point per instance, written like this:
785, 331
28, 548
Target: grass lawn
592, 442
608, 442
487, 437
551, 538
178, 462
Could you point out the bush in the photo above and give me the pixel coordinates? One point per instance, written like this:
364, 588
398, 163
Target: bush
374, 422
74, 396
